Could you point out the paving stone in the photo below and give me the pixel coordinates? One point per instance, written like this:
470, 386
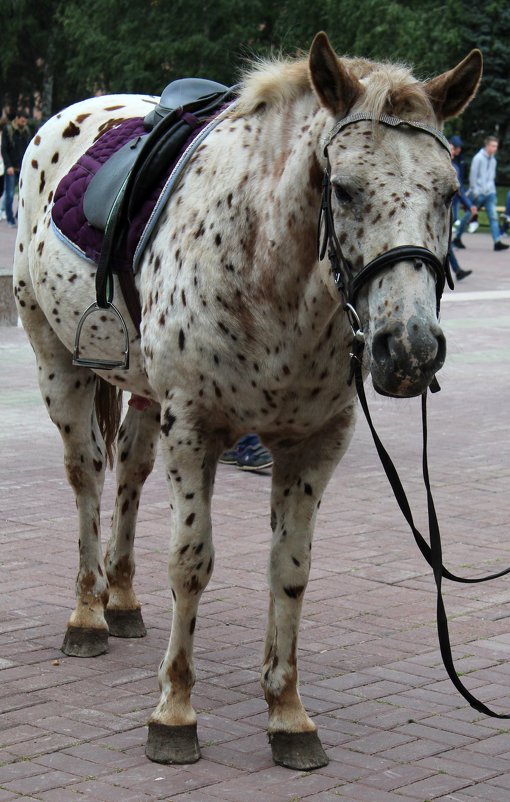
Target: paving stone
371, 674
40, 782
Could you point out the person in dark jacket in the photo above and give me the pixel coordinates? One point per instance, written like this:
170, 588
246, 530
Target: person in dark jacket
15, 138
460, 197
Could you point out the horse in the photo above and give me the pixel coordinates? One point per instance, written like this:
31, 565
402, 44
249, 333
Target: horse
243, 329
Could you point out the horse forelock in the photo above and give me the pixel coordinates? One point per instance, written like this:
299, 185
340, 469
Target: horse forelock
388, 88
392, 89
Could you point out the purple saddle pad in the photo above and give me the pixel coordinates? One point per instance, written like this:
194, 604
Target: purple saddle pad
67, 213
68, 216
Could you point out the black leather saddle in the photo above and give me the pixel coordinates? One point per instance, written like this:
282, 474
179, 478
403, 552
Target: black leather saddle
142, 161
122, 184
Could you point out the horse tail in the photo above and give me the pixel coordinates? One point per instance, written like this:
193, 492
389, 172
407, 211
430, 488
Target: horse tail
108, 404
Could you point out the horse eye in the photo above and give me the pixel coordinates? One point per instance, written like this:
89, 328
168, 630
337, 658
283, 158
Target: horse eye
341, 194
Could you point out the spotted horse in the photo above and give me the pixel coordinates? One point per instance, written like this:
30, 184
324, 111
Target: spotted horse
244, 330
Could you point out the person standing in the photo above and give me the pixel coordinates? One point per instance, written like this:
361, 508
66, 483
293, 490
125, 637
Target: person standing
456, 145
459, 198
482, 191
15, 138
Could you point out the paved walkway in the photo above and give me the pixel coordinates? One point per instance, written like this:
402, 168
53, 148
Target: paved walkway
394, 727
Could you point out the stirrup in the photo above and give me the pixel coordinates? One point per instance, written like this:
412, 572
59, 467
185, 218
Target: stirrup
101, 364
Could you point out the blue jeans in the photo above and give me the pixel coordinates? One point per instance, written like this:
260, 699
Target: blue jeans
10, 186
489, 201
453, 260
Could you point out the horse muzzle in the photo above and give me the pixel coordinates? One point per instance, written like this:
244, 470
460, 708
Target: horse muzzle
406, 356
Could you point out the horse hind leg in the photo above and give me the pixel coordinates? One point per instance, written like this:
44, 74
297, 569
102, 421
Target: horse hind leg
136, 452
69, 394
300, 475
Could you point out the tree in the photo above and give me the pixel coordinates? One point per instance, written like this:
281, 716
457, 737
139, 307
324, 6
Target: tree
31, 53
156, 41
489, 29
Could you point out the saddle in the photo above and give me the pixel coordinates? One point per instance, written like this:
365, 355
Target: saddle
123, 183
135, 169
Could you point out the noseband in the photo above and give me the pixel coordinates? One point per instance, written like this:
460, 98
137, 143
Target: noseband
349, 283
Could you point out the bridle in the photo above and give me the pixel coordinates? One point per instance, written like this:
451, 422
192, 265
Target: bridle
349, 285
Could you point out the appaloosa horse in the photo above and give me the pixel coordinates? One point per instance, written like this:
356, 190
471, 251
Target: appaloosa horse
243, 329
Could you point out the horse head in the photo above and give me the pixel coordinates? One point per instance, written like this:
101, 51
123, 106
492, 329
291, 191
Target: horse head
388, 188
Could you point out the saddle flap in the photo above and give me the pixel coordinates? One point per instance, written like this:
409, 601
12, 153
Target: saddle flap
102, 191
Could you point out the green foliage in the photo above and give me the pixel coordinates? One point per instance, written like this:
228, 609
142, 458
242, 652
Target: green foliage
29, 54
67, 50
489, 29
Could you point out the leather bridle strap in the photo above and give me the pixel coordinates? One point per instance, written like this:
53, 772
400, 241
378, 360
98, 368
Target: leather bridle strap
348, 284
432, 552
414, 253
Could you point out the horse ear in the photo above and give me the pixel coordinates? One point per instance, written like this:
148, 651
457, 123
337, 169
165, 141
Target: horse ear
336, 88
451, 92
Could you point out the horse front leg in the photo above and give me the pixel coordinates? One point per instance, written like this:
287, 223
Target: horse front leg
136, 452
300, 475
191, 464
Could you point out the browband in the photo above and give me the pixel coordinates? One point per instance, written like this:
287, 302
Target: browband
386, 119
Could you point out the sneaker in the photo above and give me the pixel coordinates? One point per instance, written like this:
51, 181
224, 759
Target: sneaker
460, 274
458, 243
472, 227
500, 246
231, 456
11, 225
255, 458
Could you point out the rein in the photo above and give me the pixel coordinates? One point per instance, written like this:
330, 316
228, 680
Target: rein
349, 286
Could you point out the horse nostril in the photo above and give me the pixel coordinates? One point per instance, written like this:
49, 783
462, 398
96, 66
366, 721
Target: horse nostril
441, 350
421, 351
381, 348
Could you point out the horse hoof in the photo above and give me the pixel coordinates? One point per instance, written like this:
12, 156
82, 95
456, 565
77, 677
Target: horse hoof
83, 642
167, 744
298, 750
125, 623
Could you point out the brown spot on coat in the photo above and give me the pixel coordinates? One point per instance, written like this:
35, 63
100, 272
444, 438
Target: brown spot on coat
179, 673
70, 131
169, 422
294, 591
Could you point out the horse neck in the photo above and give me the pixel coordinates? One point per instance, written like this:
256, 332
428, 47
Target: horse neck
285, 188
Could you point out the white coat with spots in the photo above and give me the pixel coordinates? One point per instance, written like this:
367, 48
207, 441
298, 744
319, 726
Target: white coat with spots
242, 330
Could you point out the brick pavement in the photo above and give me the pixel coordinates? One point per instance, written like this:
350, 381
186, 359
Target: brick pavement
393, 726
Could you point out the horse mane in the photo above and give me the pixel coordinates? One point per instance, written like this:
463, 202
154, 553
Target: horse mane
389, 88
